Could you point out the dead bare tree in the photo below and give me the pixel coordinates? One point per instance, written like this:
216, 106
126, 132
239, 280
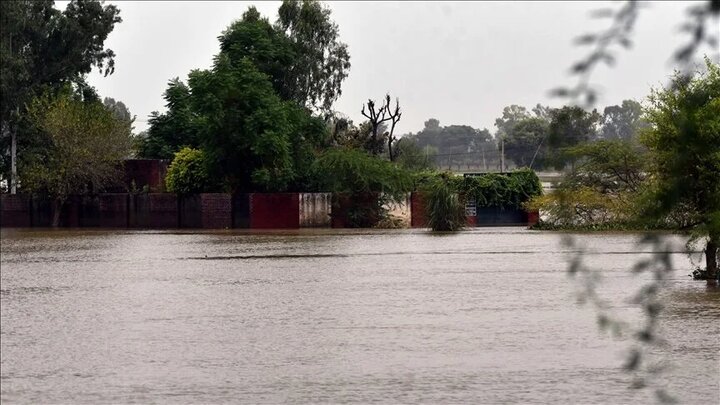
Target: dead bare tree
376, 117
394, 119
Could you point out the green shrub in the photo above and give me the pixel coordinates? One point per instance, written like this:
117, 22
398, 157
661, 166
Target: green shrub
445, 209
189, 172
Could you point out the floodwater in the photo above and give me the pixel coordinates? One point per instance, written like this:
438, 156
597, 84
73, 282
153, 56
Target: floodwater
335, 316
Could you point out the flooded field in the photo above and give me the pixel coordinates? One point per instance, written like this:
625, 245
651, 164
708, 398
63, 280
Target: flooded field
482, 316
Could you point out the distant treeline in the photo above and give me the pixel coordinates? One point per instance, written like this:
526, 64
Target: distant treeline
533, 137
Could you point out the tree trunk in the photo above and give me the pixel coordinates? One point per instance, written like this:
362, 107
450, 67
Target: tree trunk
57, 210
711, 251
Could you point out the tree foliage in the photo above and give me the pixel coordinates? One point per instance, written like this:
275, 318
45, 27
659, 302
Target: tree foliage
44, 49
501, 190
249, 112
684, 141
321, 62
524, 141
189, 172
345, 134
602, 190
570, 126
454, 143
86, 146
171, 131
622, 121
245, 126
119, 109
354, 171
412, 157
371, 184
524, 134
301, 53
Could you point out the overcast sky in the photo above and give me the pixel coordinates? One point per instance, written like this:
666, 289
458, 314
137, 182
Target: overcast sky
459, 62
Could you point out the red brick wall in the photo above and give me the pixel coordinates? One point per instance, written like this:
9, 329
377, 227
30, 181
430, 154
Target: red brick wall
241, 210
275, 211
533, 217
15, 210
155, 210
190, 207
418, 217
113, 210
216, 211
72, 212
163, 210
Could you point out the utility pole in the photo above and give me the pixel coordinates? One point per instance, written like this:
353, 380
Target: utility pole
13, 164
483, 154
502, 154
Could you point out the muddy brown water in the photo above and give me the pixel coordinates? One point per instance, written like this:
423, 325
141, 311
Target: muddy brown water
334, 316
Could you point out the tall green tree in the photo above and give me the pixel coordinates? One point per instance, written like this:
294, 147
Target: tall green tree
300, 56
174, 129
254, 38
522, 135
684, 141
622, 121
245, 126
524, 141
322, 61
511, 115
119, 109
413, 157
44, 48
570, 126
86, 146
301, 53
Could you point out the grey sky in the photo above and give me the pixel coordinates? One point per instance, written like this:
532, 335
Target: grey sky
459, 62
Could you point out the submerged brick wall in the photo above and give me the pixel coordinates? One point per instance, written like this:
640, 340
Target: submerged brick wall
418, 218
219, 211
274, 211
241, 210
89, 214
533, 217
113, 210
72, 212
315, 210
15, 210
190, 208
207, 211
154, 210
216, 209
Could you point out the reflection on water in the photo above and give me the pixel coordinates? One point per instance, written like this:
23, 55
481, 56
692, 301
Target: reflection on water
483, 316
